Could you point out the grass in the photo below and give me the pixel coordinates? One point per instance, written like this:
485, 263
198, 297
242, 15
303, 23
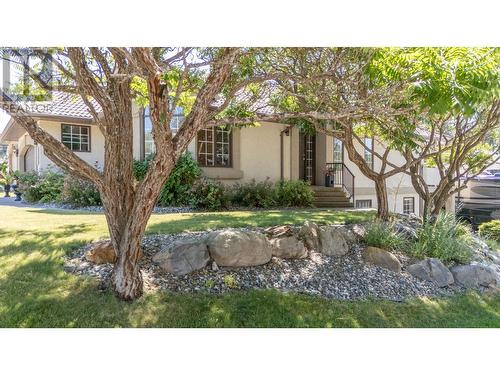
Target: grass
36, 292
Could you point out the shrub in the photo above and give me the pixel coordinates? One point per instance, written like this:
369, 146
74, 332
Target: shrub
445, 238
177, 188
490, 230
209, 194
80, 193
293, 194
44, 188
253, 194
382, 234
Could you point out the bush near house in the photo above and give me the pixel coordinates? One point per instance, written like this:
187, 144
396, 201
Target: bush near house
80, 193
45, 187
209, 194
293, 194
253, 194
490, 230
445, 238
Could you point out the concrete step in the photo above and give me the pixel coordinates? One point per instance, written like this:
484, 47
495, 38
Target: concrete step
331, 199
334, 205
316, 188
329, 194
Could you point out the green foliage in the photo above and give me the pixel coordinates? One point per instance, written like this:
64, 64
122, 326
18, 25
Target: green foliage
80, 193
43, 188
176, 190
209, 194
383, 235
293, 194
490, 230
141, 167
444, 238
253, 194
230, 281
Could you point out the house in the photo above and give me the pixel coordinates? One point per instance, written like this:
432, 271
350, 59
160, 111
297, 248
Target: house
271, 151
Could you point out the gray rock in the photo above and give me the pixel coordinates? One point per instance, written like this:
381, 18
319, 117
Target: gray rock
350, 237
359, 231
238, 248
474, 275
309, 233
332, 241
432, 269
215, 267
183, 257
381, 258
406, 231
288, 247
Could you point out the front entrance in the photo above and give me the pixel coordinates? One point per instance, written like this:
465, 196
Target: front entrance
307, 160
29, 159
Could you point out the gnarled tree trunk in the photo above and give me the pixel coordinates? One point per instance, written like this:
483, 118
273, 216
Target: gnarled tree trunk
382, 201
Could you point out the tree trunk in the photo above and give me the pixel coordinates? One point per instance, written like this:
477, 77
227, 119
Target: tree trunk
127, 277
382, 202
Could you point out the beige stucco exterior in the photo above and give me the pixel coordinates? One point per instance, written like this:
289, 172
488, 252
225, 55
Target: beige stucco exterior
268, 151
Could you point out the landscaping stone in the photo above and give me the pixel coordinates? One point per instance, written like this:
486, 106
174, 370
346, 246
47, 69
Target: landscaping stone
239, 248
309, 233
381, 258
350, 237
474, 275
101, 252
432, 269
359, 231
288, 247
406, 231
279, 231
183, 257
332, 241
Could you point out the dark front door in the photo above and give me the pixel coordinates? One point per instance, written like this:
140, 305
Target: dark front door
307, 157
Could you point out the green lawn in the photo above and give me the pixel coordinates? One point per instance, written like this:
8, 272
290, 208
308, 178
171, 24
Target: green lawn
36, 292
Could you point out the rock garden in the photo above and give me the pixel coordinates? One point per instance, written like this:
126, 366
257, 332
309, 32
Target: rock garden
345, 262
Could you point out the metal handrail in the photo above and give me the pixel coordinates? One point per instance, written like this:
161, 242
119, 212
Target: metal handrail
342, 177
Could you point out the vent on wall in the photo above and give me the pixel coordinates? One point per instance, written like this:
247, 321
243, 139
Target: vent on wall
363, 203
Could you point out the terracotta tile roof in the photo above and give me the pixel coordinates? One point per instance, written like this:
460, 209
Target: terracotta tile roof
64, 105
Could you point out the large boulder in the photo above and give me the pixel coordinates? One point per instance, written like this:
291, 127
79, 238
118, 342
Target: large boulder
309, 233
332, 241
101, 252
183, 257
406, 231
432, 269
288, 247
359, 231
474, 275
238, 248
328, 240
381, 258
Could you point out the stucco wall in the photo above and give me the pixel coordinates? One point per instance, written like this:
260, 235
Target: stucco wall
94, 157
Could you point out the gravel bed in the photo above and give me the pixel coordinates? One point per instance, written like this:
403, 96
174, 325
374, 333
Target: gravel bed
344, 278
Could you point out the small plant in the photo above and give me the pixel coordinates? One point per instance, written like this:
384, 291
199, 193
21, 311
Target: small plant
490, 230
383, 235
230, 281
444, 238
209, 284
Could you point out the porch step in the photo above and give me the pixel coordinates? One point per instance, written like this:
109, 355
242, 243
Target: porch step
330, 197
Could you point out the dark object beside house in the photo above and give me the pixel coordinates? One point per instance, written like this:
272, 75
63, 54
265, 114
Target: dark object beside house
480, 201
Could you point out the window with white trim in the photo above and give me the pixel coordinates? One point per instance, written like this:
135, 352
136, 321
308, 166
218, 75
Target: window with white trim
76, 137
408, 205
338, 151
214, 147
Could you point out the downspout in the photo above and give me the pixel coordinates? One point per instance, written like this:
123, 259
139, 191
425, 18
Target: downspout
285, 131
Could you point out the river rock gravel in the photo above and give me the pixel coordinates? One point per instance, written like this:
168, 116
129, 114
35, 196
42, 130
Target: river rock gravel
345, 278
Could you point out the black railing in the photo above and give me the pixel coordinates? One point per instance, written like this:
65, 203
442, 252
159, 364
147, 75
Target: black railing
338, 175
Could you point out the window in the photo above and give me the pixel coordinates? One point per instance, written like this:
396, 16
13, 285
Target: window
76, 137
364, 203
175, 124
408, 205
368, 151
214, 147
338, 151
